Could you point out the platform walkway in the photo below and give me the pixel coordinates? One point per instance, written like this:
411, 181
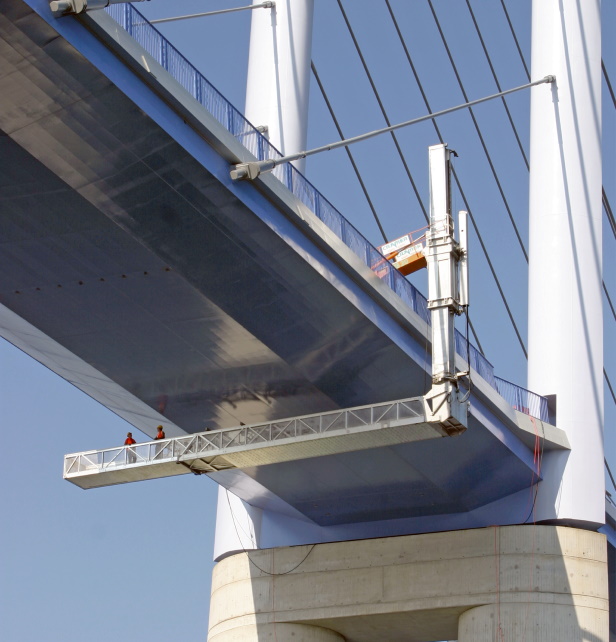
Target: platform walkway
342, 431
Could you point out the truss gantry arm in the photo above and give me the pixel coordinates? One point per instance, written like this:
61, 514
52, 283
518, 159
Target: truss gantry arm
338, 431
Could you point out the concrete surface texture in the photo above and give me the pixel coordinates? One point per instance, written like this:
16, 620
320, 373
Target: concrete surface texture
532, 583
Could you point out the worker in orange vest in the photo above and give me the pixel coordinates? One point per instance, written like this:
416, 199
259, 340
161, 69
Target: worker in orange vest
159, 435
130, 452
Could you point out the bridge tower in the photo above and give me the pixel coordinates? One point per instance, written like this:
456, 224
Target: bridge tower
416, 587
565, 312
279, 73
404, 518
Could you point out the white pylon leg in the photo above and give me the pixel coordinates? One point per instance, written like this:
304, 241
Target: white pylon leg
565, 299
279, 73
276, 97
238, 525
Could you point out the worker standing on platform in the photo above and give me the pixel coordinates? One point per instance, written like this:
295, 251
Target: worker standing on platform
130, 452
159, 435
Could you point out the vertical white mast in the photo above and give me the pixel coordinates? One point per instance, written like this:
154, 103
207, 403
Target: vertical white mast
277, 98
279, 73
565, 313
446, 281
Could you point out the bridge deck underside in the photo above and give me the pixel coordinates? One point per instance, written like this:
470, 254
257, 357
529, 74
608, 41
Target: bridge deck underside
130, 252
429, 477
142, 264
202, 326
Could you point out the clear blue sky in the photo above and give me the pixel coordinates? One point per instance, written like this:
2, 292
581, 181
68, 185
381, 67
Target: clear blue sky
133, 562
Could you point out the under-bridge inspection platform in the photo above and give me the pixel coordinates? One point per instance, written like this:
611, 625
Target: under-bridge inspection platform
137, 269
378, 445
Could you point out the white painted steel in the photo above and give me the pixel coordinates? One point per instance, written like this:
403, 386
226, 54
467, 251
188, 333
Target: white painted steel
338, 431
444, 400
238, 525
261, 5
277, 97
463, 240
565, 313
279, 73
442, 282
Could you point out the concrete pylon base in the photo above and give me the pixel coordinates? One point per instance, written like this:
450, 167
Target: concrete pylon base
532, 583
530, 622
277, 632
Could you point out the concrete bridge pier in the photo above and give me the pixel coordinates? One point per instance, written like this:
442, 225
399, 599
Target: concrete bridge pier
278, 632
519, 621
532, 583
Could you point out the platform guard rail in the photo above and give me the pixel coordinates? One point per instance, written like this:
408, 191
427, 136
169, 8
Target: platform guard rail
270, 433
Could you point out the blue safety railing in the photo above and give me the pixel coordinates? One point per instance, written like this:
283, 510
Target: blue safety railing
523, 400
477, 361
227, 115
